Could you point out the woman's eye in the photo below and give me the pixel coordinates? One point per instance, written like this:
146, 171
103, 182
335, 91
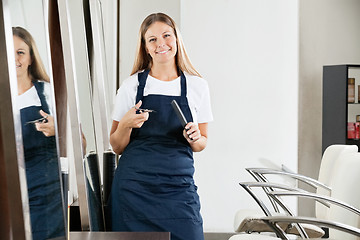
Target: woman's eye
152, 40
21, 52
167, 35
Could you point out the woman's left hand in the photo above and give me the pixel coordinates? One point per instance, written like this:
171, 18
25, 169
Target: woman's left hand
46, 127
192, 132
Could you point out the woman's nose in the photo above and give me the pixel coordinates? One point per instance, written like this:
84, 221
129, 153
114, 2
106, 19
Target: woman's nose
161, 43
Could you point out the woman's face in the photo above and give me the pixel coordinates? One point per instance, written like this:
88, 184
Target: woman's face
22, 57
160, 42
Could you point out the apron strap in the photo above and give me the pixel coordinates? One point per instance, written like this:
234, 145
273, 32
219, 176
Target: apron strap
39, 86
142, 76
183, 86
142, 81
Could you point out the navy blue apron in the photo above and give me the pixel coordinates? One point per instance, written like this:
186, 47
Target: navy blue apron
153, 187
42, 174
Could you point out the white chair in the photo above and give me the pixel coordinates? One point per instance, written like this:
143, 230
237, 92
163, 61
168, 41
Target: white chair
322, 186
274, 223
324, 182
343, 214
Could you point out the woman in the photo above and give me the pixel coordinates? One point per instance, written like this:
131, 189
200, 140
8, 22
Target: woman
38, 131
153, 188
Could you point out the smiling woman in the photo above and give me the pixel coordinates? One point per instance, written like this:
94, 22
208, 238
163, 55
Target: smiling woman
153, 188
38, 132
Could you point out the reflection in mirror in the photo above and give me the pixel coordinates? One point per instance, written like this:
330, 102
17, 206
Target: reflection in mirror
14, 204
35, 101
80, 95
102, 80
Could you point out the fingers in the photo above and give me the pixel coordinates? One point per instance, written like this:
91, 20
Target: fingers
138, 105
44, 128
42, 113
133, 120
140, 119
192, 132
47, 125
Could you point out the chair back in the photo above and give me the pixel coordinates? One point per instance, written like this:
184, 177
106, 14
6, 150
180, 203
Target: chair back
326, 172
345, 182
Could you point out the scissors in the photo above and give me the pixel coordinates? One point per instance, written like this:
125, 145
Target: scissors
43, 119
141, 110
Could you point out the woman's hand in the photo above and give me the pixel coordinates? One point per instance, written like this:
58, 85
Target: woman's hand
120, 131
192, 132
133, 120
47, 126
196, 135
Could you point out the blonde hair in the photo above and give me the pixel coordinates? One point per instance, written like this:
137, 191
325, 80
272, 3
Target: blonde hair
36, 70
144, 61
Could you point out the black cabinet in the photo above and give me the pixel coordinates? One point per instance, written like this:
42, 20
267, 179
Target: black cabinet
337, 111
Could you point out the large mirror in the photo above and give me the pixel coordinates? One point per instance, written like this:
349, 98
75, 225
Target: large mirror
85, 165
36, 103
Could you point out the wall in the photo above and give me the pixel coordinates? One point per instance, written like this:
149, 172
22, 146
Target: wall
23, 15
248, 52
132, 13
329, 35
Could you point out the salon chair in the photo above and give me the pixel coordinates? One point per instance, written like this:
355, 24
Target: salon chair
322, 186
343, 205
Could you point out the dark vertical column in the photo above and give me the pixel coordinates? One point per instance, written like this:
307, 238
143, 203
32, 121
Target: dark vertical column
334, 127
57, 60
4, 201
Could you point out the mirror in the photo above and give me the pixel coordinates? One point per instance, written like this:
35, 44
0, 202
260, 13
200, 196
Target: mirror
84, 142
102, 64
36, 104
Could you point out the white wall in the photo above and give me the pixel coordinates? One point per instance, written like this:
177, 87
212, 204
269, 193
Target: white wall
132, 13
30, 15
329, 35
248, 52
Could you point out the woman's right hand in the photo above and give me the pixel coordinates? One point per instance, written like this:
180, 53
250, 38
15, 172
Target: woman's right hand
134, 120
121, 131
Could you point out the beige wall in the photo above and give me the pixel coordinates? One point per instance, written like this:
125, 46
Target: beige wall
329, 34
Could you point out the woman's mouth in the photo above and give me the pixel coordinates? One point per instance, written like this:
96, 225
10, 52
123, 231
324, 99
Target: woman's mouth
162, 52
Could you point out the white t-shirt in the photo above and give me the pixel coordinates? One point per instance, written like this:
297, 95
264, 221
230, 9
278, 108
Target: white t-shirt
197, 94
31, 98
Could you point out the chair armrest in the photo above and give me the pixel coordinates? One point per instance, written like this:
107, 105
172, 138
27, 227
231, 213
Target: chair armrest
247, 186
322, 198
274, 220
258, 174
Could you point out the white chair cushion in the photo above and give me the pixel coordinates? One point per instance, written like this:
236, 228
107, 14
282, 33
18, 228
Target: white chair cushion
253, 224
253, 237
326, 172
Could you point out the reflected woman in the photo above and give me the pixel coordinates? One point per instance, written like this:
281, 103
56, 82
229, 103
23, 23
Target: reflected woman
38, 130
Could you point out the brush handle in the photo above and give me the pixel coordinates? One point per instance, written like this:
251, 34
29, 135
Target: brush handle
179, 113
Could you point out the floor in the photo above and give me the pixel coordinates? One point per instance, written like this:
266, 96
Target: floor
218, 236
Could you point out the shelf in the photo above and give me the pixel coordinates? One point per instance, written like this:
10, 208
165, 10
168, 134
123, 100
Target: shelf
337, 112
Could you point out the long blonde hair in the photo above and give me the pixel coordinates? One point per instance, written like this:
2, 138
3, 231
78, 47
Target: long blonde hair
144, 61
36, 69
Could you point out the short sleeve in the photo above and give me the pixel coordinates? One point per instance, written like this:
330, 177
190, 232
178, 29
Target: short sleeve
204, 112
125, 98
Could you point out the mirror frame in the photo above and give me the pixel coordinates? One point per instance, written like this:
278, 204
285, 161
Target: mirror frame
70, 75
18, 224
100, 71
